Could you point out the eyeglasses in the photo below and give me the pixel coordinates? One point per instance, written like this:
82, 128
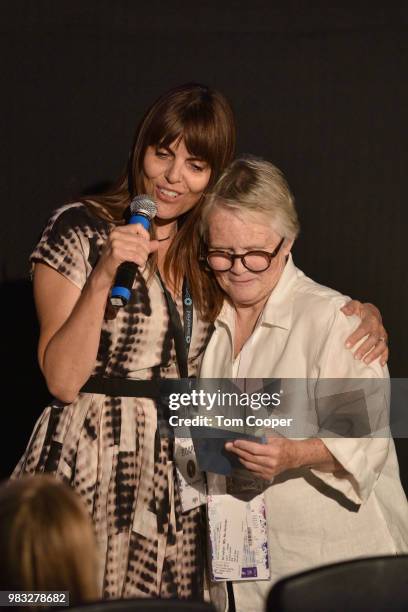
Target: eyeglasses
254, 261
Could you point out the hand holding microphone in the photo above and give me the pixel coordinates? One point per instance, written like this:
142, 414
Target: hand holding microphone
128, 248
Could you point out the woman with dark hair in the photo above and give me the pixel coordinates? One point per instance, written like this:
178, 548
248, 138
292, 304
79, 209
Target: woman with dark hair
105, 433
108, 443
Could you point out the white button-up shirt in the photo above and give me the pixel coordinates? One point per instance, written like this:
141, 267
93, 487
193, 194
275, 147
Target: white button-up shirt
314, 517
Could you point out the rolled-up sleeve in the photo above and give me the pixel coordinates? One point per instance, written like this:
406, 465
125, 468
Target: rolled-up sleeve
352, 404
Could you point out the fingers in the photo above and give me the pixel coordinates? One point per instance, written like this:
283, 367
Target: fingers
372, 349
257, 469
245, 445
353, 307
366, 327
371, 326
375, 338
130, 243
266, 460
244, 453
266, 455
258, 464
121, 249
133, 229
373, 342
380, 350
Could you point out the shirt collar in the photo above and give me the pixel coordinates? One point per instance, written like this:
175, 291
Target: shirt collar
278, 309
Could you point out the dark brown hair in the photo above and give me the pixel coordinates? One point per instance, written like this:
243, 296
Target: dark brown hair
46, 539
205, 121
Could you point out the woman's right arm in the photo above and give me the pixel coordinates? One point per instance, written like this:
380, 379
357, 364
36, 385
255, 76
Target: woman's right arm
71, 319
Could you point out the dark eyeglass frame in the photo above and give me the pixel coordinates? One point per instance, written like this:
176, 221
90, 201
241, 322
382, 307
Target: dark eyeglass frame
232, 257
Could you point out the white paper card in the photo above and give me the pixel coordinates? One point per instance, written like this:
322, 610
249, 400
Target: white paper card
238, 538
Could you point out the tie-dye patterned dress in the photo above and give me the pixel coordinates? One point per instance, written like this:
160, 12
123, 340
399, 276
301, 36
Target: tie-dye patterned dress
108, 448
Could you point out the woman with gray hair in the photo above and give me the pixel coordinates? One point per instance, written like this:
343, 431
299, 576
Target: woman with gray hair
326, 499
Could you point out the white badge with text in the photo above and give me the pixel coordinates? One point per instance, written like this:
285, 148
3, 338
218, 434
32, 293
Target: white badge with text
190, 481
238, 538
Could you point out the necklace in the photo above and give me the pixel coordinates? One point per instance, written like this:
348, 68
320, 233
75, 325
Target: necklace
167, 237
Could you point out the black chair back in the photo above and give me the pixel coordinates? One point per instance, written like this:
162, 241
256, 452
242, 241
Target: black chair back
376, 584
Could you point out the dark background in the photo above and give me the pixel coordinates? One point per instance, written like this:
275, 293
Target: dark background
320, 90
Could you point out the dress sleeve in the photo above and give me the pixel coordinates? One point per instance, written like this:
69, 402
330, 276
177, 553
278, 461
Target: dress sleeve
362, 393
64, 244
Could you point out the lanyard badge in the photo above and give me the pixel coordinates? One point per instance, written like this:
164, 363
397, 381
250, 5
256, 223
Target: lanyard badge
238, 533
190, 481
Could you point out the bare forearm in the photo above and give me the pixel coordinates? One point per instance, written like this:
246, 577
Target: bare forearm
314, 454
70, 355
71, 320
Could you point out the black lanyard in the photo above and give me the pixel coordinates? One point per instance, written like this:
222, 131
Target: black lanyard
182, 338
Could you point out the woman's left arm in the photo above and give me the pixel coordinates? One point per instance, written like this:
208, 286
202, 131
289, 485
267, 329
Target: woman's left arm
376, 343
351, 465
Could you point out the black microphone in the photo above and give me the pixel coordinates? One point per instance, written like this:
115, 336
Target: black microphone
142, 210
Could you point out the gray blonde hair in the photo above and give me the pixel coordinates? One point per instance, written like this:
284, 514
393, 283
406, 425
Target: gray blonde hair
254, 185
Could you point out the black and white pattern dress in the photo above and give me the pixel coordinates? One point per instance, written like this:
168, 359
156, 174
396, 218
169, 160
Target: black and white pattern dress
108, 448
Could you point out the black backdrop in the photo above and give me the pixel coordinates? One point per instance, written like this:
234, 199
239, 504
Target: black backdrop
320, 90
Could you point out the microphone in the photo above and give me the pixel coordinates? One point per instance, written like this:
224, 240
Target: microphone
142, 210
